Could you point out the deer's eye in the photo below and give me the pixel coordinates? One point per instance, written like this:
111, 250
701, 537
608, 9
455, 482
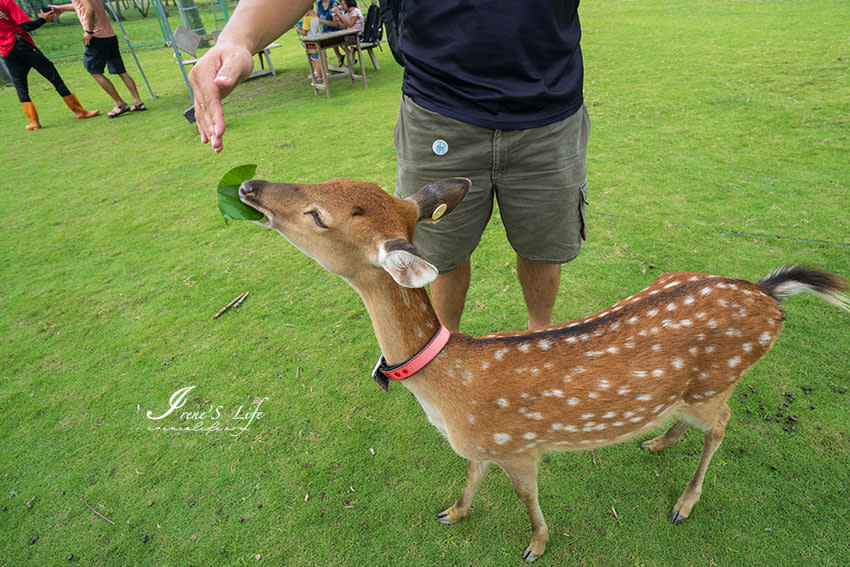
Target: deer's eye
317, 219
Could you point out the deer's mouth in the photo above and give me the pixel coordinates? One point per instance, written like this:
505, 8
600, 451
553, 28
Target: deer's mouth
249, 197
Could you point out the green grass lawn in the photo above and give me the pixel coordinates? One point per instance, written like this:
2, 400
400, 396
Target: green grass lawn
720, 144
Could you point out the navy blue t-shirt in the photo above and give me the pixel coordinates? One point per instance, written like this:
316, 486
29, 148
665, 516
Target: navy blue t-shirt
501, 64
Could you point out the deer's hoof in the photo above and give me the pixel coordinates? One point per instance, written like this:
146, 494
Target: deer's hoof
443, 518
676, 517
530, 556
645, 446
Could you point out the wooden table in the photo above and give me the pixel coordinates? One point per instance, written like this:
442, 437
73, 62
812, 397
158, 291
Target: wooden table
318, 44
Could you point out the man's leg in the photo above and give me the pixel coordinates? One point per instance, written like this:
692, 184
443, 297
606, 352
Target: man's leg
131, 86
107, 85
448, 295
540, 288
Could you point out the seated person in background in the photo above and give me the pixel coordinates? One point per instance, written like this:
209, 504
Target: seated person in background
350, 16
306, 25
324, 11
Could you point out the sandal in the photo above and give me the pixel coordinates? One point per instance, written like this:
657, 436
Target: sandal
118, 110
138, 107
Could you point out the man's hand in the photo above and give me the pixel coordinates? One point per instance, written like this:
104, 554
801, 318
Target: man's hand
48, 16
87, 37
212, 78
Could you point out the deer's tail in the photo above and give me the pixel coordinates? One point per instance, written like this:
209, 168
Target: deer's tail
791, 280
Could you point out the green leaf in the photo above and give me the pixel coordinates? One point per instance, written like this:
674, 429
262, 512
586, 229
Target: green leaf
228, 194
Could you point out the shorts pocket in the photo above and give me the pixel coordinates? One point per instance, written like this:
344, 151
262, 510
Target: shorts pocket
582, 206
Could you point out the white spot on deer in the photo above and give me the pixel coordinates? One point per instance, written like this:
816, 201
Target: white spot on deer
524, 347
658, 408
705, 291
618, 424
573, 401
624, 390
501, 438
686, 323
678, 363
747, 347
534, 415
643, 333
639, 373
628, 414
586, 415
693, 350
585, 337
633, 320
656, 348
558, 393
466, 377
672, 284
544, 344
594, 353
615, 325
629, 344
570, 428
657, 373
709, 393
609, 415
764, 339
655, 292
636, 419
734, 361
712, 323
643, 398
603, 384
720, 285
592, 395
572, 340
612, 350
709, 349
502, 403
652, 312
671, 307
700, 316
529, 436
655, 330
470, 418
500, 354
418, 332
599, 427
722, 303
689, 300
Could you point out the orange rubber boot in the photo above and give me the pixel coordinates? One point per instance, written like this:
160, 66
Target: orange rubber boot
74, 104
29, 110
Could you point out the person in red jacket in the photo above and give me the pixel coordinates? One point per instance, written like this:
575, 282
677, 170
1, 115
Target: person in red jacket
20, 55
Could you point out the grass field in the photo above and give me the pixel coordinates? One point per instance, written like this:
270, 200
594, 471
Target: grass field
720, 143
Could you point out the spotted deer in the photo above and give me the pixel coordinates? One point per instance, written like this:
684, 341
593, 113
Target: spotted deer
677, 348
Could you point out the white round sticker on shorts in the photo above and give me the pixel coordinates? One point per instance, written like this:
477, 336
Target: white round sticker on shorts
440, 147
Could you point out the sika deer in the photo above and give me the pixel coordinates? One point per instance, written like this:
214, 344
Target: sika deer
676, 348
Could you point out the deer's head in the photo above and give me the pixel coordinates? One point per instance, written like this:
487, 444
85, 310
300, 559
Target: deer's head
352, 226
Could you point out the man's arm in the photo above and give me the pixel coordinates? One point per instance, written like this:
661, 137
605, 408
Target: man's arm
253, 25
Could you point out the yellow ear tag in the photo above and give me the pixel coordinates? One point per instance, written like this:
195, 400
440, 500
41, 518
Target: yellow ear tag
439, 212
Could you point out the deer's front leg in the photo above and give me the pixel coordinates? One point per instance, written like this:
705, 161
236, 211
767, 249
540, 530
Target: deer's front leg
523, 475
475, 471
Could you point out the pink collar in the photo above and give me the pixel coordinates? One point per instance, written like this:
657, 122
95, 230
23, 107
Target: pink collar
383, 373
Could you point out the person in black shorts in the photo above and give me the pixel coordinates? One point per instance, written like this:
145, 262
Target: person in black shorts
20, 55
102, 53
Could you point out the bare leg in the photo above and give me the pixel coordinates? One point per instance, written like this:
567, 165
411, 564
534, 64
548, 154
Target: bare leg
523, 475
107, 85
131, 86
475, 471
540, 288
448, 294
691, 495
668, 439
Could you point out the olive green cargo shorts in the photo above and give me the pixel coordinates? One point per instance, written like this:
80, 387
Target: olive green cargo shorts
538, 177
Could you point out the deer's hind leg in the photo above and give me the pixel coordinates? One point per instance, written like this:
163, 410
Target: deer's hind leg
668, 439
713, 419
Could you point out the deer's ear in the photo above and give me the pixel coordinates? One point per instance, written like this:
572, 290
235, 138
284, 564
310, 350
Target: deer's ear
440, 197
405, 264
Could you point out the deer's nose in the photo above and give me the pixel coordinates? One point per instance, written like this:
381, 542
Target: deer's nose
250, 186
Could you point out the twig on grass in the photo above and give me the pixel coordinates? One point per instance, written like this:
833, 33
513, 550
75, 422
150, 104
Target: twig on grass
29, 504
96, 512
235, 303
